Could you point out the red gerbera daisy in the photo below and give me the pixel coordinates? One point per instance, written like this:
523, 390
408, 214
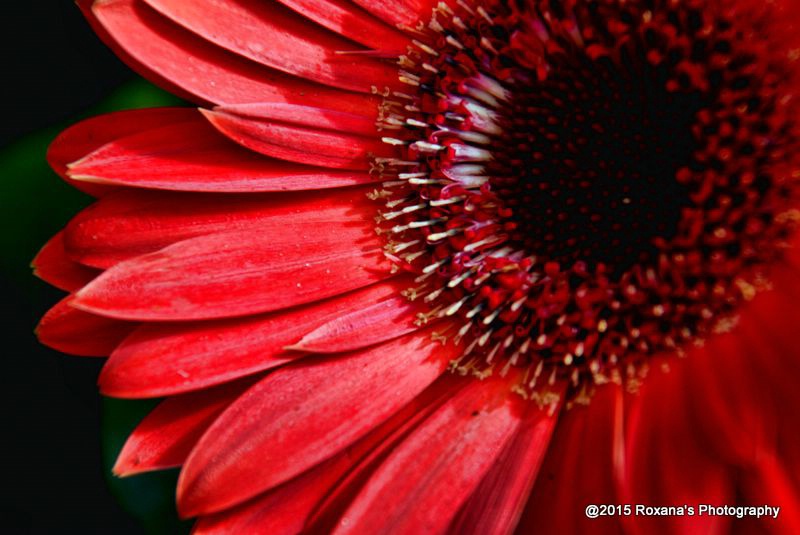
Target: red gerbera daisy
428, 267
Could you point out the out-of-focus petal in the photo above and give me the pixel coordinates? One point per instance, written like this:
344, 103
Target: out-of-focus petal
667, 463
578, 469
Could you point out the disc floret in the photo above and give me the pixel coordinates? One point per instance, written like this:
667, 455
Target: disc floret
582, 185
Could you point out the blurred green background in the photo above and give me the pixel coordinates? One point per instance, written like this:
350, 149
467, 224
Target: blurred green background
60, 436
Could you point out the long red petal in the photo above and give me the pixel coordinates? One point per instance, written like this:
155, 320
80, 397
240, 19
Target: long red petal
301, 144
293, 507
82, 138
422, 484
127, 224
79, 333
301, 415
362, 123
578, 470
735, 410
496, 505
404, 13
237, 273
163, 359
192, 67
768, 330
166, 436
281, 511
374, 321
193, 156
275, 36
667, 463
52, 265
769, 482
743, 381
349, 20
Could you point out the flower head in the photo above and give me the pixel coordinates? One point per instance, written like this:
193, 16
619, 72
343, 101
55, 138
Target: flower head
429, 267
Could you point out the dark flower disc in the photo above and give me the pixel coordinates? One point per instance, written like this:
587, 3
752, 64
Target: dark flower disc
585, 184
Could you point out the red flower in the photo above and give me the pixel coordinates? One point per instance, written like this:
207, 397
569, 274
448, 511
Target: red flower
552, 196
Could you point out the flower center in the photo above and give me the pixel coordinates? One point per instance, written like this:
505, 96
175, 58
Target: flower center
590, 158
580, 185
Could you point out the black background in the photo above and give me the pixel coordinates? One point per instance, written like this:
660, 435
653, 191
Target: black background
53, 481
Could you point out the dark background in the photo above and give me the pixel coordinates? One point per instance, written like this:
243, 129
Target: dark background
58, 435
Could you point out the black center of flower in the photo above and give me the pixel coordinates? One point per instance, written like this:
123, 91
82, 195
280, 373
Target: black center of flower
597, 151
580, 185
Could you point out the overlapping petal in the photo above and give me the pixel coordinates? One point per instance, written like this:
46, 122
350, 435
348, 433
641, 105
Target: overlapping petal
165, 359
197, 69
298, 143
52, 265
496, 506
346, 19
295, 46
128, 224
73, 331
192, 156
167, 435
234, 274
198, 288
301, 415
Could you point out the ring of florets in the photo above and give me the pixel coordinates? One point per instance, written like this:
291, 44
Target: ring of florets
582, 185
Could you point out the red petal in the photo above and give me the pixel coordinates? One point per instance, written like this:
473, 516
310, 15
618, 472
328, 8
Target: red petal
362, 123
346, 19
578, 470
496, 505
160, 360
237, 273
328, 512
281, 511
312, 146
84, 137
748, 526
194, 68
52, 265
667, 463
279, 38
744, 380
372, 322
127, 224
69, 330
769, 483
193, 156
286, 510
733, 410
421, 485
768, 332
405, 13
301, 415
166, 436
